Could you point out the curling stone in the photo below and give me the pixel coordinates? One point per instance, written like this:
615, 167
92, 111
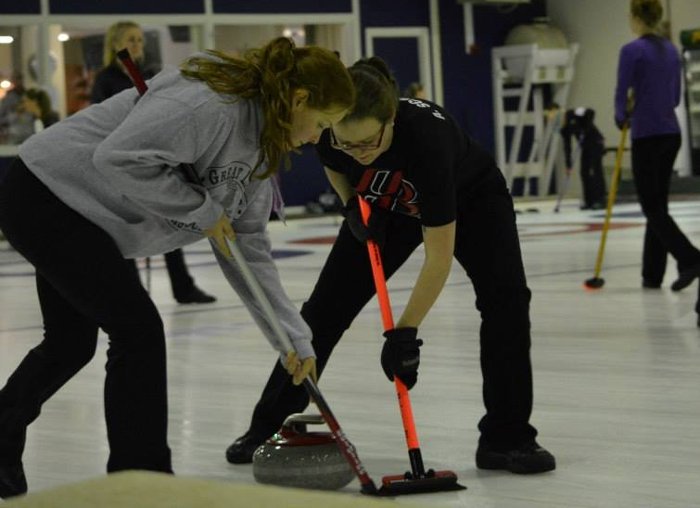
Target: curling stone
294, 457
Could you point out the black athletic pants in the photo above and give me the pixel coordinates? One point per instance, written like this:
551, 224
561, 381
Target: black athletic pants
652, 166
592, 179
181, 281
488, 248
84, 283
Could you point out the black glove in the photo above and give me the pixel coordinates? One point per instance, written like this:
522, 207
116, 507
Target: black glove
377, 222
401, 356
620, 123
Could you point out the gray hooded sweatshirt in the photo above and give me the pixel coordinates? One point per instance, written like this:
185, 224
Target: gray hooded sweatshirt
119, 164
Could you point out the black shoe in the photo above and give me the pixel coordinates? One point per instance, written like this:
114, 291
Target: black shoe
686, 277
647, 284
195, 295
12, 481
529, 458
242, 449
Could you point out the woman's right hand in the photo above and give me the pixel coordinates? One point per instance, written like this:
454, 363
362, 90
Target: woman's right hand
219, 232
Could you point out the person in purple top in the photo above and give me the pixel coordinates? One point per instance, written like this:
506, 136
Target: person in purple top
649, 72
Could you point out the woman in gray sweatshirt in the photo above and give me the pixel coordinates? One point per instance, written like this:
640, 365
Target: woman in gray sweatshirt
108, 183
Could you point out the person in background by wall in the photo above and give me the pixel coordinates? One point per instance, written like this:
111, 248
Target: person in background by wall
113, 79
415, 91
21, 124
38, 103
32, 115
9, 104
13, 95
578, 123
649, 72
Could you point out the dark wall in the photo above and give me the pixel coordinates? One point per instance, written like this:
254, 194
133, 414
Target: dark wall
126, 7
278, 6
393, 13
467, 77
306, 180
129, 7
23, 7
402, 52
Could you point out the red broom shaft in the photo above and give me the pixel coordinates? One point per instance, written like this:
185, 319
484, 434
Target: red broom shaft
344, 444
379, 278
375, 260
133, 71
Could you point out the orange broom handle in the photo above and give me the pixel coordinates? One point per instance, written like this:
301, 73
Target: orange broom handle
375, 260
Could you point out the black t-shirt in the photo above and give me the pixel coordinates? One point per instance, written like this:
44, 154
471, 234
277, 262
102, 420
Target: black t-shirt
429, 161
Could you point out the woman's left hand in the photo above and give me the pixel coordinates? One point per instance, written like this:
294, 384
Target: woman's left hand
219, 232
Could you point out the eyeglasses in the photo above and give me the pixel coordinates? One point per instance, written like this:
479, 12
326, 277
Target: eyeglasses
361, 147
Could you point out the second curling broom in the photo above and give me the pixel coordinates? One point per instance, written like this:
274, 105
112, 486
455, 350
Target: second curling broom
597, 282
418, 480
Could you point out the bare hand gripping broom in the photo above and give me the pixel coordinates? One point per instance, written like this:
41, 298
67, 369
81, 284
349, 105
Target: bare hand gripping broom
345, 446
418, 480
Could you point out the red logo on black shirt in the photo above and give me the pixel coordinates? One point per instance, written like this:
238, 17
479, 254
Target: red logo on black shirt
389, 190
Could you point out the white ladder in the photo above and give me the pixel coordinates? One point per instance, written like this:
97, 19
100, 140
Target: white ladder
521, 72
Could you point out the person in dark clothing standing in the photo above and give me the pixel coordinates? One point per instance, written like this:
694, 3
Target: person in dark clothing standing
32, 115
578, 123
111, 80
9, 105
427, 182
38, 102
649, 71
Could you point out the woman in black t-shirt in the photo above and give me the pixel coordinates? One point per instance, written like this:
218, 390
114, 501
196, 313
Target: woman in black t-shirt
428, 182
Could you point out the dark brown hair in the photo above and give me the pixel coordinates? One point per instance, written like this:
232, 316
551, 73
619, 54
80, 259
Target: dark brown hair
272, 74
648, 11
377, 93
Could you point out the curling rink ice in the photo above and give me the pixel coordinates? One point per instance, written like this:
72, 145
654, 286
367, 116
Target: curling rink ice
616, 371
